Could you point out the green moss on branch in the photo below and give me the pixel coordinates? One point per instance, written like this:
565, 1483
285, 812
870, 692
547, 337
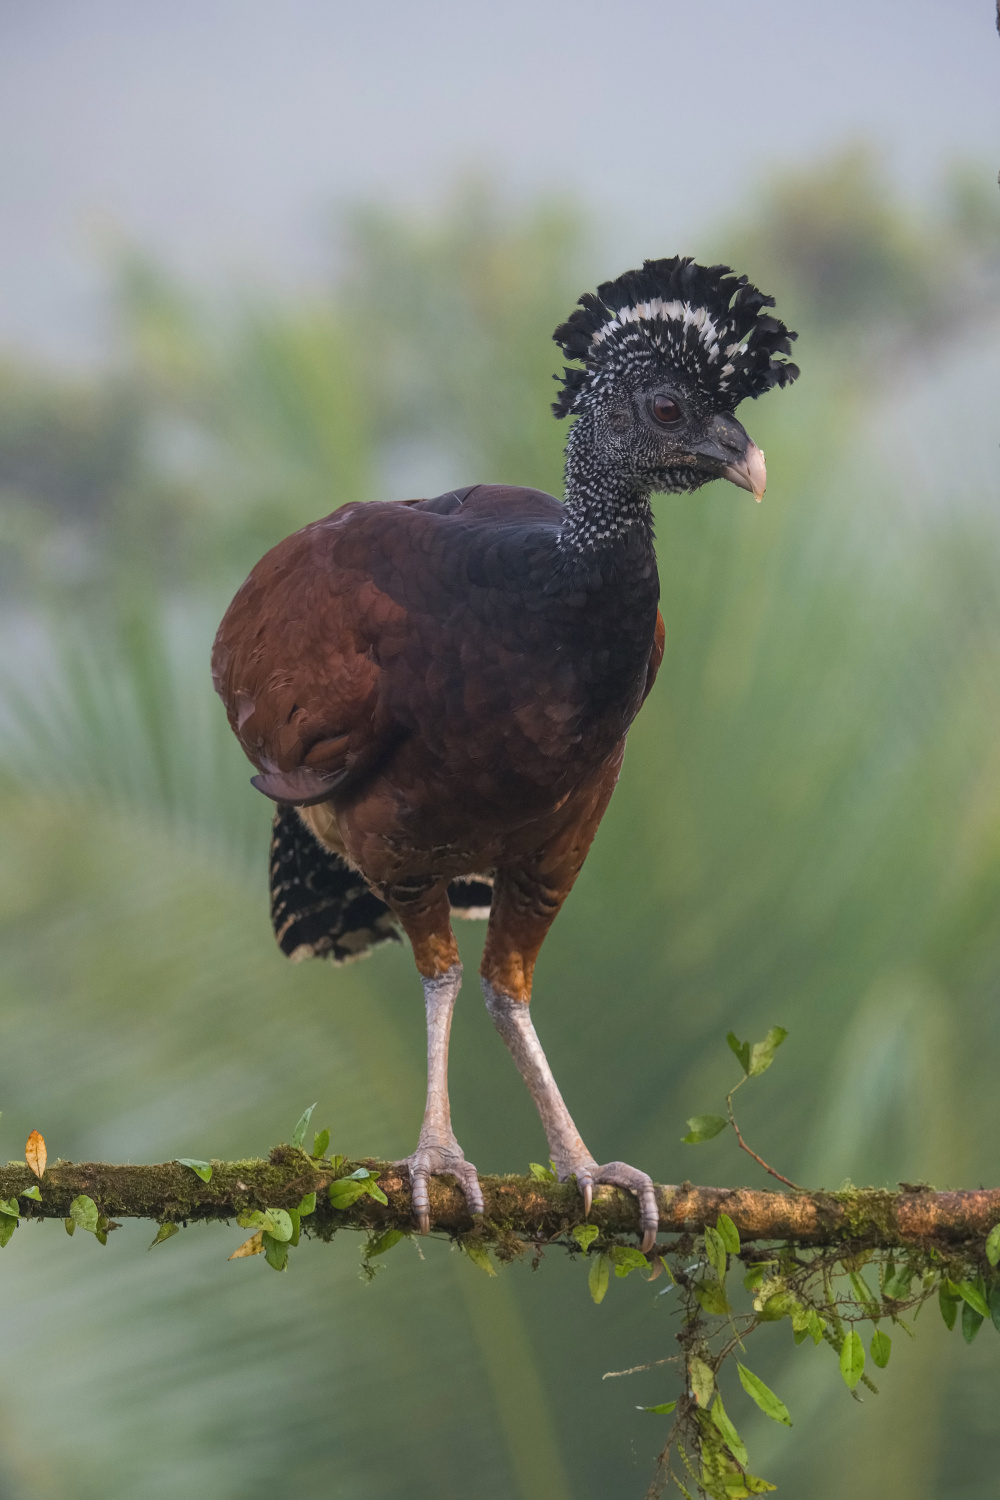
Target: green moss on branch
519, 1207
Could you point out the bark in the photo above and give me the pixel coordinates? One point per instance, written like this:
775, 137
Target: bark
517, 1208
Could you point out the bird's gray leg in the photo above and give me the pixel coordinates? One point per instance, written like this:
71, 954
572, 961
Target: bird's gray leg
512, 1018
437, 1149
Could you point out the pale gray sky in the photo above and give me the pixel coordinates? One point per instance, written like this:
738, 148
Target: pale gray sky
219, 132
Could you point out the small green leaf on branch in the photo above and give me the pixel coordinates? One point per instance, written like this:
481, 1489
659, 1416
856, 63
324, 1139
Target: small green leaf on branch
741, 1050
762, 1053
626, 1258
83, 1212
384, 1242
308, 1205
347, 1190
781, 1305
948, 1301
165, 1232
729, 1233
663, 1410
711, 1295
971, 1322
203, 1169
279, 1225
730, 1436
974, 1295
299, 1133
994, 1300
273, 1221
715, 1249
852, 1359
702, 1128
765, 1398
993, 1245
585, 1235
480, 1256
344, 1192
600, 1275
9, 1206
34, 1192
542, 1174
881, 1348
275, 1251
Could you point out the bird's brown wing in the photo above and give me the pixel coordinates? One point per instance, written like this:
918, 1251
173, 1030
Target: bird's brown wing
341, 625
388, 621
295, 663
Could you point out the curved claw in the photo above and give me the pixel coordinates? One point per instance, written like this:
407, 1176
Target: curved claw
584, 1175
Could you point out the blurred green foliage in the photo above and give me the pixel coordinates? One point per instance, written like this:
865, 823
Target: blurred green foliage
807, 831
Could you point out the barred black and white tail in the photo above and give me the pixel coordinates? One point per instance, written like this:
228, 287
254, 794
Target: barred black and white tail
321, 908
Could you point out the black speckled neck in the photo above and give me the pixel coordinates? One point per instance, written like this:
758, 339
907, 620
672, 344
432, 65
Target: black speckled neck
603, 504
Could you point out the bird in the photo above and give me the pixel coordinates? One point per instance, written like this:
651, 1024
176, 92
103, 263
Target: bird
436, 693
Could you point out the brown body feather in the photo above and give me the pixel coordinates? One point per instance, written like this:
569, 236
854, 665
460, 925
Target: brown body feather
411, 678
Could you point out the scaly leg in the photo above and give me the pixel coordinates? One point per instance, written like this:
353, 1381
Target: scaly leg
437, 1149
512, 1018
426, 919
526, 901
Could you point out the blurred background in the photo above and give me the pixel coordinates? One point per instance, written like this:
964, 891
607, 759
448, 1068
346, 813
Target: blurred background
260, 261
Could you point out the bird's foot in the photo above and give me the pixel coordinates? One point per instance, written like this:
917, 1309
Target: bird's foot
618, 1174
440, 1158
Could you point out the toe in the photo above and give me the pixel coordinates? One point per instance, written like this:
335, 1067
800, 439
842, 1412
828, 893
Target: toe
419, 1199
619, 1174
468, 1180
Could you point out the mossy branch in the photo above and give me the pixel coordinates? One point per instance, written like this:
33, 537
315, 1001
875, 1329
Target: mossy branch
525, 1207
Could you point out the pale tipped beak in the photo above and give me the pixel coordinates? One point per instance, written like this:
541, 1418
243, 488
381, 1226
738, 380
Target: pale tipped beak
749, 471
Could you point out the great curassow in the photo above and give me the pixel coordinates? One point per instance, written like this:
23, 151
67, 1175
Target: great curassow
436, 693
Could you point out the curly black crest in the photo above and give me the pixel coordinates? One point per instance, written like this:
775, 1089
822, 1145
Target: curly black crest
673, 314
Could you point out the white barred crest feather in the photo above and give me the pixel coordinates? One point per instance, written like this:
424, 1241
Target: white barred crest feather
674, 314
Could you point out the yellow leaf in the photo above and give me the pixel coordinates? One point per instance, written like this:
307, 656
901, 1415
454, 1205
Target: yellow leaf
35, 1154
253, 1246
701, 1378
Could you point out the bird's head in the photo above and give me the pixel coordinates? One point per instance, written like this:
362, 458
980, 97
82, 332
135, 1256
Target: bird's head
667, 355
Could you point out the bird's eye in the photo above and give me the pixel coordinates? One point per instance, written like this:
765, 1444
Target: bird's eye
666, 410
